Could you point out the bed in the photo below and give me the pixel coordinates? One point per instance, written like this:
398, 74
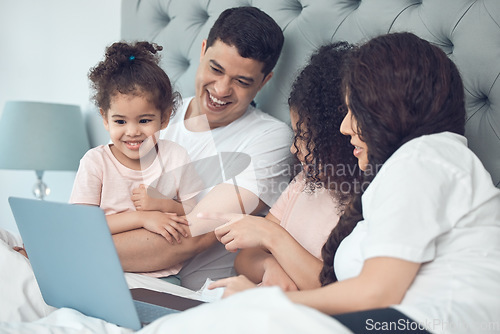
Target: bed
468, 31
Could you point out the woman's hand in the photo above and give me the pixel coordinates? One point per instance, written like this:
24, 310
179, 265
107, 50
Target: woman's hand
243, 231
233, 285
169, 225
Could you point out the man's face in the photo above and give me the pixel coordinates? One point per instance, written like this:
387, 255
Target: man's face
226, 83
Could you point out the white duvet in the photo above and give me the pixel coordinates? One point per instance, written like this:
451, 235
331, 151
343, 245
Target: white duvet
262, 310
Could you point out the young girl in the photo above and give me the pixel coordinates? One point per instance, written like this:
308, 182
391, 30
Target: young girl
138, 180
285, 248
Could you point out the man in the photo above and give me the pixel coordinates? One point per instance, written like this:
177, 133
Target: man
219, 122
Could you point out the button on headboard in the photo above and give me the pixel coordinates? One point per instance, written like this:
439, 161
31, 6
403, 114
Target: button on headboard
467, 30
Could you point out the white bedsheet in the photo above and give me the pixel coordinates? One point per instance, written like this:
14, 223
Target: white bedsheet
262, 310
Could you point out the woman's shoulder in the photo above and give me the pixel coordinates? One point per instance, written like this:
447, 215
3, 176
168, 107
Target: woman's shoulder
446, 148
442, 140
437, 159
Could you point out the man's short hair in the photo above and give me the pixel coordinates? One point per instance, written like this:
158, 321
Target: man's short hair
254, 33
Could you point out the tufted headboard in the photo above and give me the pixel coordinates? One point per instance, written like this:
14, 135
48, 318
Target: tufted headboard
467, 30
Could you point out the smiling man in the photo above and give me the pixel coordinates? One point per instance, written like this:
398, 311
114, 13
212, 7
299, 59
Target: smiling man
236, 61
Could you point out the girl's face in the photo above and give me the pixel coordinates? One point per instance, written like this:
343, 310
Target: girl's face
133, 124
301, 151
349, 128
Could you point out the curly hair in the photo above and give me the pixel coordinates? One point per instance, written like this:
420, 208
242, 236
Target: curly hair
133, 69
315, 98
399, 87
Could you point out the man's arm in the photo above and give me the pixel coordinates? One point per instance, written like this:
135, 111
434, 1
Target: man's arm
223, 198
142, 251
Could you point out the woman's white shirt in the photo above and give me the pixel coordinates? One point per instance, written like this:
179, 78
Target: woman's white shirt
434, 203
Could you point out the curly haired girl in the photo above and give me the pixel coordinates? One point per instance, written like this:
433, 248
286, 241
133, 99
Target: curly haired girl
284, 248
128, 178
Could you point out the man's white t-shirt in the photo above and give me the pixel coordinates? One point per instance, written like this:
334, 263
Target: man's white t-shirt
253, 151
255, 147
448, 220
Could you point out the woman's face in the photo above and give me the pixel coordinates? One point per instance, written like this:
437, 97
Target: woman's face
349, 128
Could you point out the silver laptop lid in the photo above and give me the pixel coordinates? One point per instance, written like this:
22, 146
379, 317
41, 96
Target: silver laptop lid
74, 259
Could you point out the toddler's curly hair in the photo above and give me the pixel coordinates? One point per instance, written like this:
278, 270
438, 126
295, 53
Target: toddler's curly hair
133, 69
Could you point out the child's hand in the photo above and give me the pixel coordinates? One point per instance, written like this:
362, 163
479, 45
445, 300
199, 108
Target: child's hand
169, 225
239, 231
147, 199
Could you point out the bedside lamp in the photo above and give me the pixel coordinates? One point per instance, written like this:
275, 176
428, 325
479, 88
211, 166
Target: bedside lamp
42, 136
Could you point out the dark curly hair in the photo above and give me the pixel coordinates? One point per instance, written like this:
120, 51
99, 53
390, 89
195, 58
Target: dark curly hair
315, 98
399, 87
133, 69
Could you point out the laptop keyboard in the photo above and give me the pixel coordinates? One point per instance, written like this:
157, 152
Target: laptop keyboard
150, 312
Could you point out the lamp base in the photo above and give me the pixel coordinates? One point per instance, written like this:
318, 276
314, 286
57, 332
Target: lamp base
40, 189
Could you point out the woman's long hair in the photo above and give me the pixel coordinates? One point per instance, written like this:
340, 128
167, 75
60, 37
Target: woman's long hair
399, 87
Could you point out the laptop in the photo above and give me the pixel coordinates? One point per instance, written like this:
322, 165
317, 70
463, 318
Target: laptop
76, 264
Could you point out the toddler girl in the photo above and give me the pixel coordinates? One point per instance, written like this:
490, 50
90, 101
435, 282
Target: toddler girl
138, 180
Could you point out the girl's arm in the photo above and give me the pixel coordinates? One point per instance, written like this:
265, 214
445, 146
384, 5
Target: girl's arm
261, 267
241, 232
382, 282
250, 262
302, 267
170, 226
172, 206
150, 199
